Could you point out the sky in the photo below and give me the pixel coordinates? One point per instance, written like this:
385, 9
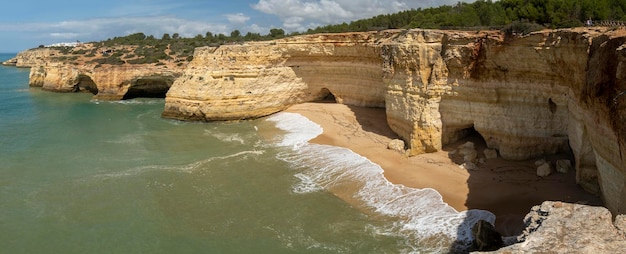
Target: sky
29, 23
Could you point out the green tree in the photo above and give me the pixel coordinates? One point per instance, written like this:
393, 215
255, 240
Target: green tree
235, 34
277, 33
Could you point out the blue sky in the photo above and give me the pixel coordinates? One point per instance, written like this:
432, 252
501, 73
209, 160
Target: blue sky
28, 23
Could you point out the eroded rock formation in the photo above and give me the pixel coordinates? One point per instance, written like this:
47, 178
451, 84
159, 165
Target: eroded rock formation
33, 57
258, 79
85, 69
555, 227
107, 82
544, 93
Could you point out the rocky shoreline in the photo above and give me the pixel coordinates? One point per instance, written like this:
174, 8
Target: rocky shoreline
531, 96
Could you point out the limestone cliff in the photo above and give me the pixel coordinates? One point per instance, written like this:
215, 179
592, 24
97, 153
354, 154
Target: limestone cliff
547, 92
33, 57
258, 79
108, 82
69, 70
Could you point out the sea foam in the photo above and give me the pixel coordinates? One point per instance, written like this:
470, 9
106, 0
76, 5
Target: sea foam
186, 168
421, 215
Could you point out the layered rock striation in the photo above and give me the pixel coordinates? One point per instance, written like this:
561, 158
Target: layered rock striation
547, 92
258, 79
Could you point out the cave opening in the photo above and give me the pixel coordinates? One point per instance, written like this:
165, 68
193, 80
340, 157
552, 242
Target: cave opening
326, 96
147, 88
552, 106
465, 134
85, 84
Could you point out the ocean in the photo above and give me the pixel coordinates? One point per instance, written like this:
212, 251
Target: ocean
85, 176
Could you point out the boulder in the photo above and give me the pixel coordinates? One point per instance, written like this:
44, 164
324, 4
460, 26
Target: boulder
544, 170
467, 145
470, 156
540, 162
396, 145
557, 227
486, 238
468, 152
563, 166
490, 154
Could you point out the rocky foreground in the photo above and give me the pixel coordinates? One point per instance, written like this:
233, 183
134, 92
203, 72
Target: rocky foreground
556, 227
530, 96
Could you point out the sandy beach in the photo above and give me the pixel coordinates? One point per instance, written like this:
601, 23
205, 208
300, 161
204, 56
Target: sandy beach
507, 188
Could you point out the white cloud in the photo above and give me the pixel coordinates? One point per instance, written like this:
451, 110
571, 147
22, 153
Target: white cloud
103, 28
238, 18
255, 28
64, 35
302, 14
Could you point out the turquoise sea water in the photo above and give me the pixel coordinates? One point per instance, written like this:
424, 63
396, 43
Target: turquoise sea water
84, 176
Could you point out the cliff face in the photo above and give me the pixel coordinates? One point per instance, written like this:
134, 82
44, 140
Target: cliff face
33, 57
254, 80
544, 93
108, 82
58, 71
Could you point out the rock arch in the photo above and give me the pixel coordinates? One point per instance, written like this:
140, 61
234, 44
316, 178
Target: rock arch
84, 83
152, 87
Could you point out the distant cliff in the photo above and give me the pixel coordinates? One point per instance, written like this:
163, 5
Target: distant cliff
107, 72
33, 57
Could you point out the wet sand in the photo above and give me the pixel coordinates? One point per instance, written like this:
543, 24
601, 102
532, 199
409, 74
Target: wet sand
507, 188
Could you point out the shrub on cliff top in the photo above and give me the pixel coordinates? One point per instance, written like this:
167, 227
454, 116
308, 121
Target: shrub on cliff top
521, 28
108, 60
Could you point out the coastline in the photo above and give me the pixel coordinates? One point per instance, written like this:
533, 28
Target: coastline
506, 188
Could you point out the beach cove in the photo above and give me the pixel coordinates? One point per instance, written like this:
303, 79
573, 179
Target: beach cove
506, 188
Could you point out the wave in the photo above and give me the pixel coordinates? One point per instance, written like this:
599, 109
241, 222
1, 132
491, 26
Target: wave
421, 214
136, 101
299, 129
18, 90
225, 137
188, 168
